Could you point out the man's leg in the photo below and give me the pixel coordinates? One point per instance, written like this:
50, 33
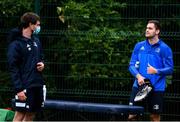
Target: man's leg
155, 117
132, 117
156, 106
34, 101
29, 116
18, 116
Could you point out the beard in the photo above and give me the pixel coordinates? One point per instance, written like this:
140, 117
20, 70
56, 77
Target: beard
148, 36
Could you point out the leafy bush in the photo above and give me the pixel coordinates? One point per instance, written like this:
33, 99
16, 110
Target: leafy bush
100, 42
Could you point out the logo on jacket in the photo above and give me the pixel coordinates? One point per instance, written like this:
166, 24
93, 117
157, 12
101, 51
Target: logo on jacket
28, 47
142, 48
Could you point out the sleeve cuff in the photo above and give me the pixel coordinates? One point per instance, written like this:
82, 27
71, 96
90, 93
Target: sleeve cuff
158, 72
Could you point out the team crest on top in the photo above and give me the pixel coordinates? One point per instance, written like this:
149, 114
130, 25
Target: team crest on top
157, 50
35, 44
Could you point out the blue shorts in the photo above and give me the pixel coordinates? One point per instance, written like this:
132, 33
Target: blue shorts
154, 101
34, 101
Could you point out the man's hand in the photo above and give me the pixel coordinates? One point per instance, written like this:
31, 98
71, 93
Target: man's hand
140, 79
40, 66
151, 70
21, 96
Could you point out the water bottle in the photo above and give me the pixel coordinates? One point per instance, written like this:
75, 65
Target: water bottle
44, 92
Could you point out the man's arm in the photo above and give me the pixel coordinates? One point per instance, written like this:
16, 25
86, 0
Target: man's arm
134, 59
167, 59
13, 57
133, 66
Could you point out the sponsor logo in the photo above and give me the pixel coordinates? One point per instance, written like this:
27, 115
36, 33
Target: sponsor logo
142, 48
28, 47
19, 104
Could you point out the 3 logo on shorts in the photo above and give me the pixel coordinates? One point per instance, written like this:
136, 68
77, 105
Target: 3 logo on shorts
156, 107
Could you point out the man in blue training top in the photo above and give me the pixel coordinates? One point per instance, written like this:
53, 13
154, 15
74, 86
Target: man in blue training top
155, 61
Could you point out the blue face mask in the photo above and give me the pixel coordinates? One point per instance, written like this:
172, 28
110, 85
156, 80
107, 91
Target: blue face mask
37, 30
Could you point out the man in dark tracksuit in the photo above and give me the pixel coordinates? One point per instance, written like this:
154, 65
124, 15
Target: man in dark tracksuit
26, 66
155, 61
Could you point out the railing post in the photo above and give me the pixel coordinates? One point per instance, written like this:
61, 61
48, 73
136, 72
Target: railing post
37, 7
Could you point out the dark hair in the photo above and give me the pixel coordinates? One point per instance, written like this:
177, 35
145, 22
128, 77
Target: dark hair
27, 18
156, 23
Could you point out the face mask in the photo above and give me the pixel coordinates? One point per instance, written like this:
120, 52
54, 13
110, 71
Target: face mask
37, 30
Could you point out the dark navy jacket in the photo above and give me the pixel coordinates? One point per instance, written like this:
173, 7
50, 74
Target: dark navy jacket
159, 56
23, 55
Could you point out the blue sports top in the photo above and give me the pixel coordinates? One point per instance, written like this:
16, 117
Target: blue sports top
159, 56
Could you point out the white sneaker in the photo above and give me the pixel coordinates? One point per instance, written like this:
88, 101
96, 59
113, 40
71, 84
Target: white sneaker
142, 93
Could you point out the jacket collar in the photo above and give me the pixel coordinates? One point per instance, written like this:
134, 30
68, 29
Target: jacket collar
158, 43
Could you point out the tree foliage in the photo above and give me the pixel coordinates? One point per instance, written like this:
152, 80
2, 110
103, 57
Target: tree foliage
100, 41
14, 7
